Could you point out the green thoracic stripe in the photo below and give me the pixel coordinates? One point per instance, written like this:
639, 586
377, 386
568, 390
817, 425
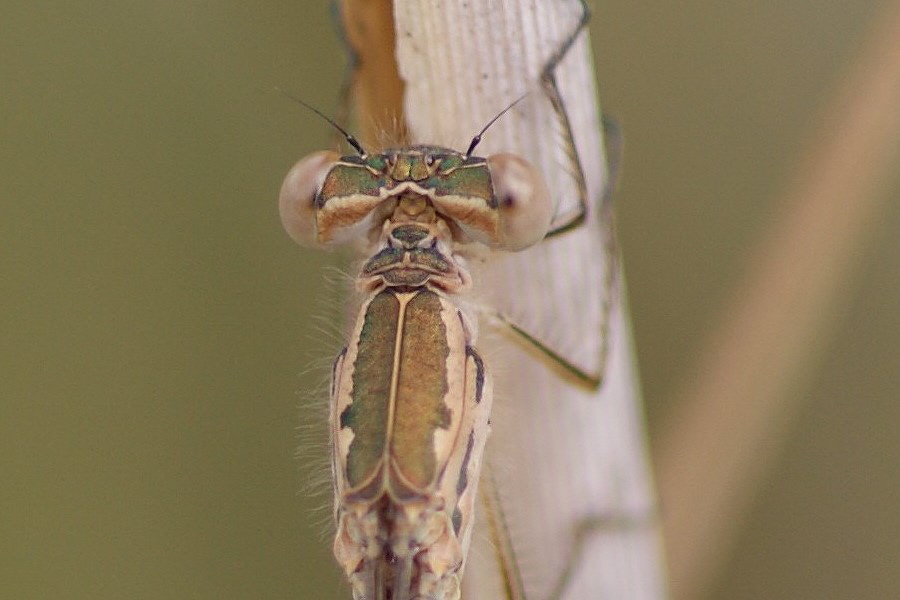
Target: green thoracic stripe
367, 414
422, 386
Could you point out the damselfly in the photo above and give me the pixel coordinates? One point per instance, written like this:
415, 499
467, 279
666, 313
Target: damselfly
410, 395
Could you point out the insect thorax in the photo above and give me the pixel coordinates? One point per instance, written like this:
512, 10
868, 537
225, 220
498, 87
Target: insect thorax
410, 406
414, 250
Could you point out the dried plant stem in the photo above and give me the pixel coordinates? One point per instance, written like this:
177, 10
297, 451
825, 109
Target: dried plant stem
570, 466
734, 413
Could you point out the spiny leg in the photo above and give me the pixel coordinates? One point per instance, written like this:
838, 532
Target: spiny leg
611, 132
555, 360
551, 88
543, 351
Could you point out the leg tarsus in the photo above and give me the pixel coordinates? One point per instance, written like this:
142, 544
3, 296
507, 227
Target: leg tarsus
553, 359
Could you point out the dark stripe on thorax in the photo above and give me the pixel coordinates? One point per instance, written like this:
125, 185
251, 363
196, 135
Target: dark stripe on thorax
479, 373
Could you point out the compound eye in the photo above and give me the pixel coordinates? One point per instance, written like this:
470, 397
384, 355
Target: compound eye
524, 201
296, 202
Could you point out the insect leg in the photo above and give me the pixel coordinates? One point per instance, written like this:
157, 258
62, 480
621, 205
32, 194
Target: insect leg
555, 361
513, 588
576, 217
551, 88
584, 530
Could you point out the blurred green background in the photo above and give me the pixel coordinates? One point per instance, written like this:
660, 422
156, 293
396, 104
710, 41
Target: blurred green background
165, 346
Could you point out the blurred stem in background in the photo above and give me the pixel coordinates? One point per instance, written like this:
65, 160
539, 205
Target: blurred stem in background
735, 409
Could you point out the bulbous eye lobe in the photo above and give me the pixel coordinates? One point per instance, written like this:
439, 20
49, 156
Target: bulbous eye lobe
296, 201
523, 201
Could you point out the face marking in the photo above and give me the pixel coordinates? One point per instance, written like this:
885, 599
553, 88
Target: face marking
461, 188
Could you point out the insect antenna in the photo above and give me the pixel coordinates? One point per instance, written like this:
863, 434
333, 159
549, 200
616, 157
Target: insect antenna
350, 139
477, 139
